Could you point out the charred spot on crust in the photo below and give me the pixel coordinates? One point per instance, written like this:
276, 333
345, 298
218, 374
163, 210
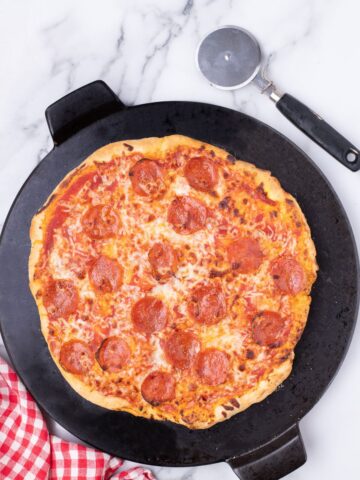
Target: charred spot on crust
298, 224
224, 414
224, 202
250, 354
234, 402
231, 158
285, 356
212, 153
289, 201
262, 194
129, 147
228, 407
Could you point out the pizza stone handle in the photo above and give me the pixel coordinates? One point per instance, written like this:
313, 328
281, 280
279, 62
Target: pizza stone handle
80, 108
274, 460
319, 131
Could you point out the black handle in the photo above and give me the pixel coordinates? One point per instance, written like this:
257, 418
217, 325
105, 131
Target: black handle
318, 130
274, 460
80, 108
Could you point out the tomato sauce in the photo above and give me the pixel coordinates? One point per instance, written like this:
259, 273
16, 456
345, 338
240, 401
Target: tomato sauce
60, 214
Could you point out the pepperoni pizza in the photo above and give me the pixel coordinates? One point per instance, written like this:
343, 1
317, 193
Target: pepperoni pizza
172, 281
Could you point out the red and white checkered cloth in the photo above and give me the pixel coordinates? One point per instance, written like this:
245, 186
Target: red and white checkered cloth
29, 452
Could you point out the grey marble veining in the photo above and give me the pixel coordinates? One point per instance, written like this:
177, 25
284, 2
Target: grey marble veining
144, 49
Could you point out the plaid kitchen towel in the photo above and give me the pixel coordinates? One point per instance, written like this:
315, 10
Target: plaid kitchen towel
29, 452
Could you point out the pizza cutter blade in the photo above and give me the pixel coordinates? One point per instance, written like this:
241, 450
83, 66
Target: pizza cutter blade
230, 58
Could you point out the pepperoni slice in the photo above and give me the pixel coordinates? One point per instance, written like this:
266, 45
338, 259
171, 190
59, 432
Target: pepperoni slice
245, 255
181, 349
268, 329
149, 315
147, 178
158, 387
100, 222
201, 174
60, 298
213, 366
76, 357
106, 274
113, 354
207, 304
187, 215
288, 274
163, 260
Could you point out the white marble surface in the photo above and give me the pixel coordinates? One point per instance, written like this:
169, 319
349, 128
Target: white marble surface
144, 49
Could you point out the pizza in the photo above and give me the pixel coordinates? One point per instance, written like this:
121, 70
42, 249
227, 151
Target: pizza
172, 280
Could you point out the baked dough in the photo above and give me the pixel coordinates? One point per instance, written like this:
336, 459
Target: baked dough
245, 202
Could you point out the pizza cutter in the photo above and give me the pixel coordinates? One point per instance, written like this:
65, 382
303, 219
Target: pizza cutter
230, 58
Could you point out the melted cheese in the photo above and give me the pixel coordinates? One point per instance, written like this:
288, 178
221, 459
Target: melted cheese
144, 222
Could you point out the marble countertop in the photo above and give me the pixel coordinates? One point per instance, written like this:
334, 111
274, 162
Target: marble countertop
144, 50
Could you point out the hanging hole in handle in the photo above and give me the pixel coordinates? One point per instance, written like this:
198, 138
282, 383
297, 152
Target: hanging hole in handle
352, 156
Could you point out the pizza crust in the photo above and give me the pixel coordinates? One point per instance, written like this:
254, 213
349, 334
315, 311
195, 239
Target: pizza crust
157, 145
222, 412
